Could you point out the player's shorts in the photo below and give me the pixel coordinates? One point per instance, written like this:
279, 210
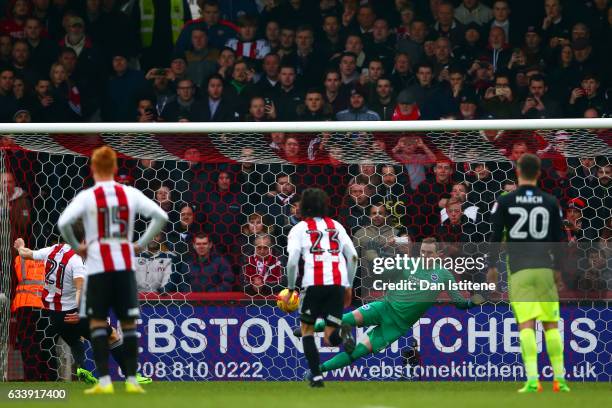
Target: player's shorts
326, 302
71, 332
386, 331
112, 290
533, 295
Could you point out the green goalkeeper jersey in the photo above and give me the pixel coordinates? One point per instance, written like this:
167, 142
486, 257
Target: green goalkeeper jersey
408, 305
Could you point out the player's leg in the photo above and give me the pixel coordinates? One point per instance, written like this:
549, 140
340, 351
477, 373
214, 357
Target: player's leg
529, 352
353, 318
312, 355
99, 299
379, 338
310, 304
554, 348
523, 295
385, 333
366, 315
549, 316
335, 332
72, 333
81, 333
126, 309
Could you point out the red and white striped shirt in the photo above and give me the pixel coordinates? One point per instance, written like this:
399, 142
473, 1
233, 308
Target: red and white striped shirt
108, 210
62, 266
321, 243
257, 49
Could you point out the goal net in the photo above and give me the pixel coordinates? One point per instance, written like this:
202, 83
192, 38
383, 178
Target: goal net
207, 283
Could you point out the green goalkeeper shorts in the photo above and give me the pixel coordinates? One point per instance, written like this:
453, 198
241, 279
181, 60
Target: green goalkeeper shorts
385, 331
533, 295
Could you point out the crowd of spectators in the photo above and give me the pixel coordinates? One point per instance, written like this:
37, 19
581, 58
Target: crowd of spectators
266, 60
297, 60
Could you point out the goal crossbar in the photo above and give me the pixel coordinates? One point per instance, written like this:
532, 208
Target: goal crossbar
299, 127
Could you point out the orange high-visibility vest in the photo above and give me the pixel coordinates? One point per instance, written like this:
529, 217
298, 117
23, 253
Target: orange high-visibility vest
30, 282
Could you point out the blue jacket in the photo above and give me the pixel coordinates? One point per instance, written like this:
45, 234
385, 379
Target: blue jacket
357, 114
122, 93
212, 274
217, 34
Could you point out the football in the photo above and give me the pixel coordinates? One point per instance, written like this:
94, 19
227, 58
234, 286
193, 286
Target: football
290, 306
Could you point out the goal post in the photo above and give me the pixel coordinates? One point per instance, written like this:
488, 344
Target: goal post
208, 310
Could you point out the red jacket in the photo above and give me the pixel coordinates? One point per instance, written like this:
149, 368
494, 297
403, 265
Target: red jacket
11, 27
269, 269
414, 115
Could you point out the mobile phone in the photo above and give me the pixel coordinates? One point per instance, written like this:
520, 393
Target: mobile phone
267, 101
499, 91
160, 71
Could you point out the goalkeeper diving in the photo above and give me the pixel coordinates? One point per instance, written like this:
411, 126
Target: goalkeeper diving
398, 311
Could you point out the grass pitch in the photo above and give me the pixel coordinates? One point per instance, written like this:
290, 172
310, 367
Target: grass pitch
334, 395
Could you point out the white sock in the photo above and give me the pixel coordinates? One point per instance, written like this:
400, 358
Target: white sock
104, 380
132, 379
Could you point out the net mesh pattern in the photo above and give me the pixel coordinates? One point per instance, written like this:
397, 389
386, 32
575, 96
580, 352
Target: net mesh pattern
241, 191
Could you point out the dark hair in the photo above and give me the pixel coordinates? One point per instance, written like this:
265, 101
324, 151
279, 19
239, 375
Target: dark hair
287, 65
247, 21
210, 3
225, 49
331, 71
366, 6
538, 78
529, 166
314, 90
67, 50
201, 235
314, 203
423, 65
330, 15
591, 75
272, 54
214, 76
456, 69
502, 75
349, 54
304, 27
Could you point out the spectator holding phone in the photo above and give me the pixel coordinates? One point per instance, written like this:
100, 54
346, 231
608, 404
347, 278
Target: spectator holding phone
499, 100
537, 104
555, 27
146, 111
588, 95
261, 110
185, 106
